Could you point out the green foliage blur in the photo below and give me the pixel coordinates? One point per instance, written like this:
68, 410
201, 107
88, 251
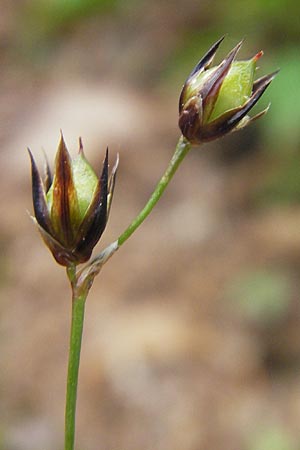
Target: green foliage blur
272, 438
191, 28
262, 296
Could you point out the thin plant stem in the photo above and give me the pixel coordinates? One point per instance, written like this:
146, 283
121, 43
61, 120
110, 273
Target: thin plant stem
82, 280
78, 307
182, 148
94, 266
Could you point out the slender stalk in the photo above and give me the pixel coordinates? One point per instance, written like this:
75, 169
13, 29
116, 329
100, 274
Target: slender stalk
94, 266
182, 148
82, 280
78, 306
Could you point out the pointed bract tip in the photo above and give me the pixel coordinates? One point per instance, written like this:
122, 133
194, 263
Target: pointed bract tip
117, 160
62, 146
217, 44
207, 59
33, 163
62, 150
61, 135
30, 154
274, 74
212, 51
115, 166
232, 54
80, 151
104, 172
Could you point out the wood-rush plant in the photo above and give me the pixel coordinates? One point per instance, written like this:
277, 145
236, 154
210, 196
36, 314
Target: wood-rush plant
71, 209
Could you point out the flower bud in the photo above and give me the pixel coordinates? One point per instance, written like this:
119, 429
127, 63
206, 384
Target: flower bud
215, 101
71, 210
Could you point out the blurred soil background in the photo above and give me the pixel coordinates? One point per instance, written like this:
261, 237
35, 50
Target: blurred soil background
192, 334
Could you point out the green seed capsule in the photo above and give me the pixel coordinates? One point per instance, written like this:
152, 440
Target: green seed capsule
236, 88
215, 101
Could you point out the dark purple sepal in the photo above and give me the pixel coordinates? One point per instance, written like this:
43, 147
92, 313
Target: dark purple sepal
203, 64
228, 121
95, 219
206, 60
39, 198
111, 185
189, 120
264, 81
243, 110
210, 89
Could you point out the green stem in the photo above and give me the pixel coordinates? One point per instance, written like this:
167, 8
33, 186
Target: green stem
182, 148
78, 305
81, 282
